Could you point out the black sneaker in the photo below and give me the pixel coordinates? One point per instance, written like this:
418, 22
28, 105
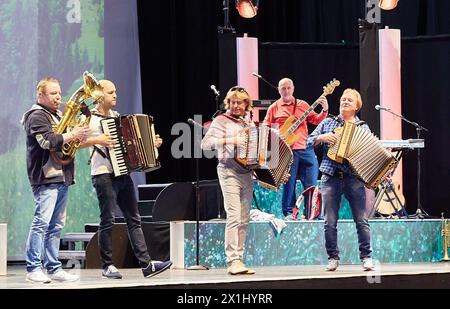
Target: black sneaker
155, 267
111, 272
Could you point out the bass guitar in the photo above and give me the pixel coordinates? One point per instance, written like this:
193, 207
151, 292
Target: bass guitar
287, 130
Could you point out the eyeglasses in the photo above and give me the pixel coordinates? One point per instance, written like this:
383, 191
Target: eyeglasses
239, 89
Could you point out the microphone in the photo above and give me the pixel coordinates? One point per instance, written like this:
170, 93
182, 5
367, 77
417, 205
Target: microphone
194, 123
262, 78
216, 92
256, 74
378, 107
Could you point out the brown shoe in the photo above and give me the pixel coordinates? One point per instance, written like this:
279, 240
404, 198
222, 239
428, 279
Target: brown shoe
236, 268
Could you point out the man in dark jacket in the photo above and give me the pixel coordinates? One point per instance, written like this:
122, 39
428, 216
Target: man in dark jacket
49, 182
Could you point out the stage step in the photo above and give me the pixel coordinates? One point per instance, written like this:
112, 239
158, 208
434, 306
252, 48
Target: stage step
68, 248
149, 192
72, 255
70, 239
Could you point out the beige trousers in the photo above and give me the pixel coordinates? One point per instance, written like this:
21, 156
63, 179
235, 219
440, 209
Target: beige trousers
237, 190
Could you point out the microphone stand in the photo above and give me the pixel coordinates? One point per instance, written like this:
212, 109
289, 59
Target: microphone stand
197, 265
217, 113
218, 109
226, 19
420, 212
266, 81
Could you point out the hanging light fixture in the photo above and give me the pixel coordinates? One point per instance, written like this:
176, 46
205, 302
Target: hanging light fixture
247, 8
387, 4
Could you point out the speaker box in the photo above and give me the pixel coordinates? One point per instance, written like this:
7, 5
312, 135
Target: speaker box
157, 238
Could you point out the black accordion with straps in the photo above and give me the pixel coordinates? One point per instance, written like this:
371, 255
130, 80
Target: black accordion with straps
134, 147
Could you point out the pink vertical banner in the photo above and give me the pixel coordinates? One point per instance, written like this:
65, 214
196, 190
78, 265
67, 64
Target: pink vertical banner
390, 89
247, 63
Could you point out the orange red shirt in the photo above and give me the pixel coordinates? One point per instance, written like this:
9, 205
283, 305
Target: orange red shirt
279, 111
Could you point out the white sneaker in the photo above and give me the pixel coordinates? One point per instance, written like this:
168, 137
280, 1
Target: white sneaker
63, 276
332, 264
38, 277
111, 272
367, 264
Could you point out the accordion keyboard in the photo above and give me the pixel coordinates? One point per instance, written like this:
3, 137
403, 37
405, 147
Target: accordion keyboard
116, 154
134, 149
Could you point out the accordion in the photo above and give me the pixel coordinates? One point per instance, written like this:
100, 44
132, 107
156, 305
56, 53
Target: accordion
370, 161
267, 153
134, 149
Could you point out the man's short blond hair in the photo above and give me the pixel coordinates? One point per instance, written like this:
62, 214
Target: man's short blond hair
355, 92
41, 86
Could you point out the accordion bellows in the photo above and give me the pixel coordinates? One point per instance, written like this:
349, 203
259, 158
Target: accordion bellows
370, 161
267, 153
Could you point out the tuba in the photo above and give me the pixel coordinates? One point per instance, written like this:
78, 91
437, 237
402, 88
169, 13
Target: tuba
90, 89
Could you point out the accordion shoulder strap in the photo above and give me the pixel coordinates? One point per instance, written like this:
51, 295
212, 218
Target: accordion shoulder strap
238, 120
96, 113
101, 152
230, 117
360, 123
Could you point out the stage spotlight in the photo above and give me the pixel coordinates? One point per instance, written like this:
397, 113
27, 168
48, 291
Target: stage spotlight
247, 8
387, 4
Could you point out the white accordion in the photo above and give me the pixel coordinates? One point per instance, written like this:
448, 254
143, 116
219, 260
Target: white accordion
267, 153
366, 155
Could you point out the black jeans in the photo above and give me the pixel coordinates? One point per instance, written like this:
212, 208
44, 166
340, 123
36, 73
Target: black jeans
111, 190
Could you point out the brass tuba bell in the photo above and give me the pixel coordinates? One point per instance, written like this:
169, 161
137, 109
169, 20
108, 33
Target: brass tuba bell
90, 89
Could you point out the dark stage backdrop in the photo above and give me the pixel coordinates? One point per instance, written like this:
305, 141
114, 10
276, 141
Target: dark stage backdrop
179, 61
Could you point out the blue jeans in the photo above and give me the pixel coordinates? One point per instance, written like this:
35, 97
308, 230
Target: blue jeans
332, 189
305, 168
119, 190
45, 232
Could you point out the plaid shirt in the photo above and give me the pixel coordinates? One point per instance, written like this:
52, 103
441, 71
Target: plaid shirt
329, 166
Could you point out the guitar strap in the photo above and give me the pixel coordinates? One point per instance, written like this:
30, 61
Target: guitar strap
295, 106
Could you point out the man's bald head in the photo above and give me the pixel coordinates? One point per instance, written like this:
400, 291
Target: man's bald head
109, 92
105, 82
286, 89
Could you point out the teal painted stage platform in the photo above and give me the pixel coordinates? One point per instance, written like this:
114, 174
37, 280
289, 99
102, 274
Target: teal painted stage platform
302, 243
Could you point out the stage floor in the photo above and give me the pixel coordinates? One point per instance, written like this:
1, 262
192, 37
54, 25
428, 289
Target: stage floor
420, 275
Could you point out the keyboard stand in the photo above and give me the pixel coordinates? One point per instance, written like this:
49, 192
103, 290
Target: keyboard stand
399, 211
384, 186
